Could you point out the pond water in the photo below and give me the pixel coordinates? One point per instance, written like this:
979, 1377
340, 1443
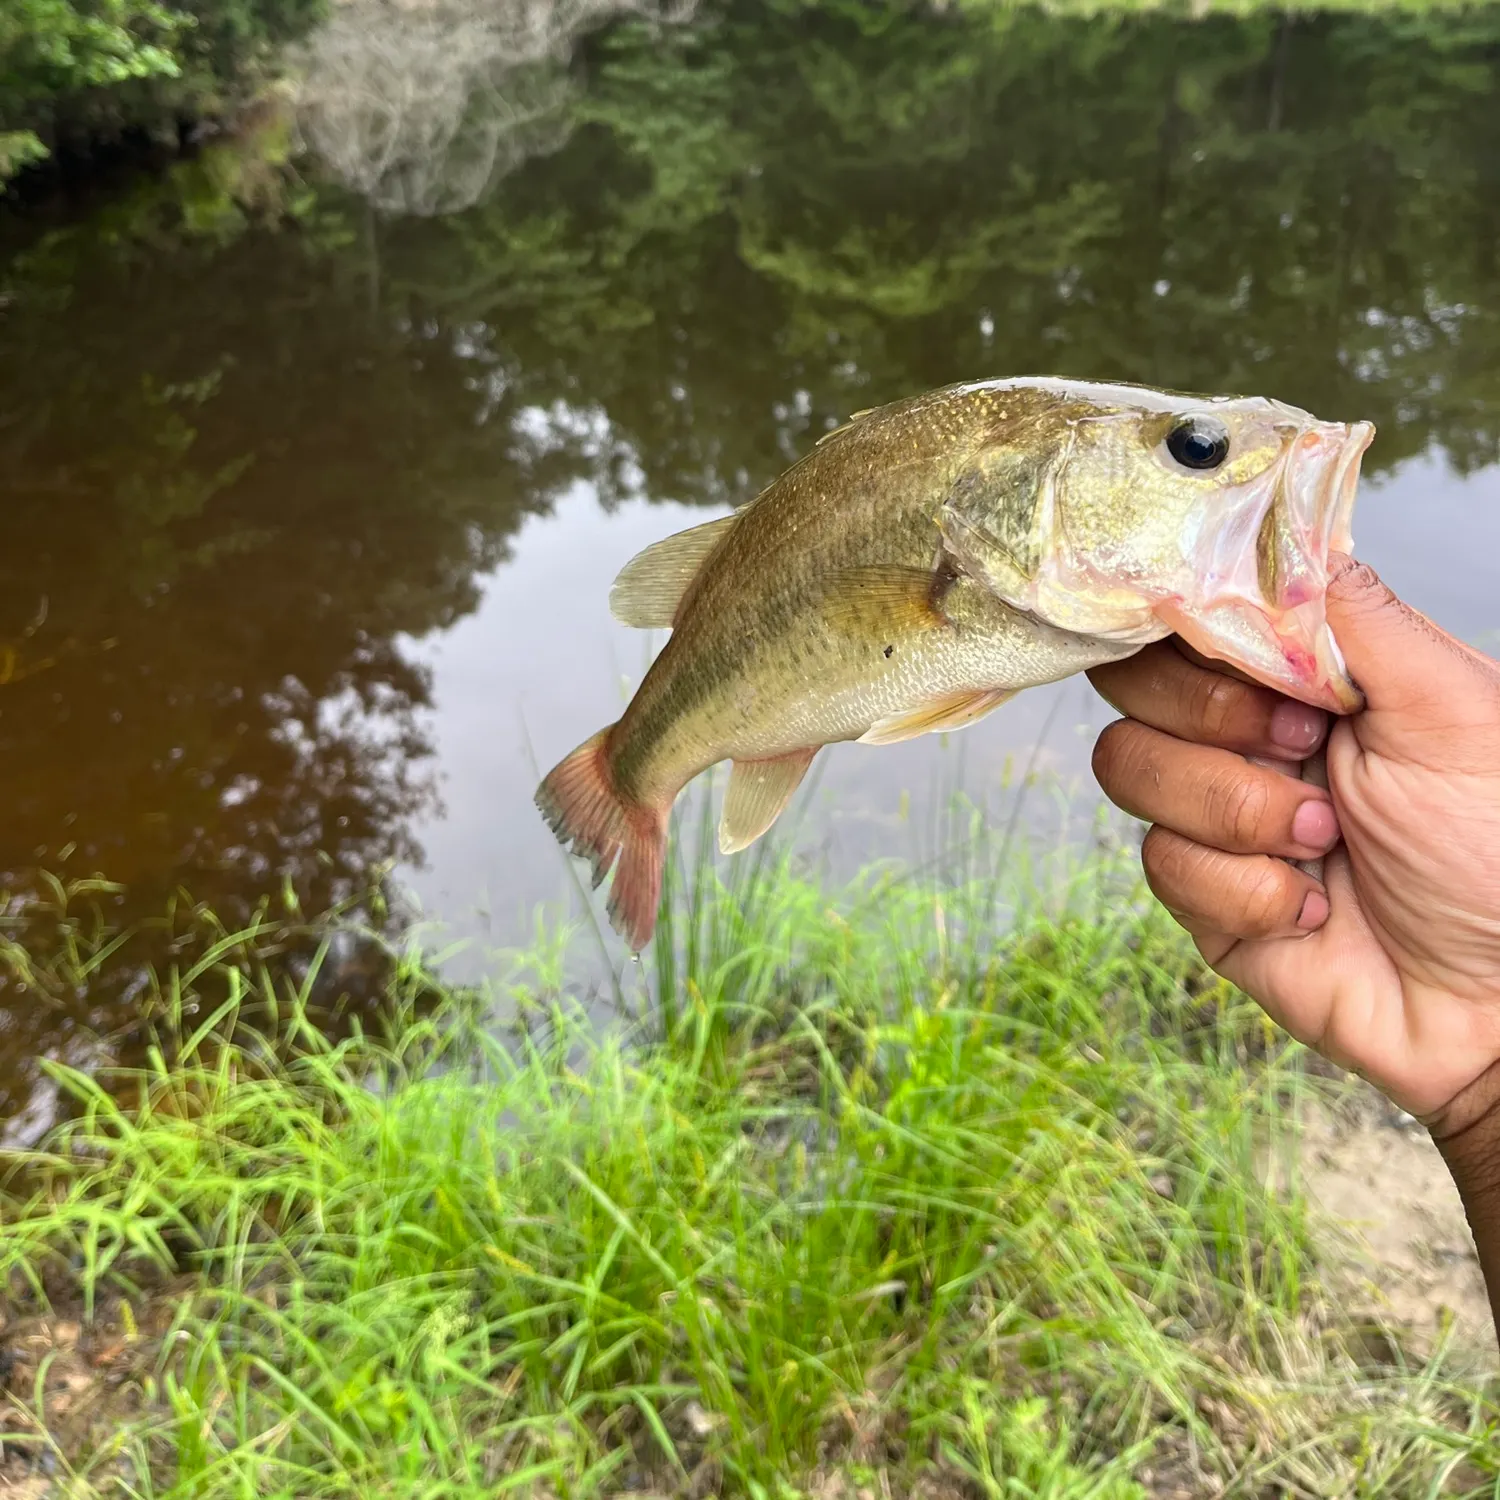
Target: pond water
311, 510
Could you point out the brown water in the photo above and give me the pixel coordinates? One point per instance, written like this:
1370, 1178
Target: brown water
310, 514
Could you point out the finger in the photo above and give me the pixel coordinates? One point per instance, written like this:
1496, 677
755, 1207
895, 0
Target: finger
1295, 979
1243, 896
1410, 671
1213, 945
1209, 663
1212, 796
1161, 687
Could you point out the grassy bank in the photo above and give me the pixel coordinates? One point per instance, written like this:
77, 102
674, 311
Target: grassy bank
873, 1202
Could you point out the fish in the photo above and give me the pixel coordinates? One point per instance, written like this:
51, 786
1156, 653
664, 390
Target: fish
932, 557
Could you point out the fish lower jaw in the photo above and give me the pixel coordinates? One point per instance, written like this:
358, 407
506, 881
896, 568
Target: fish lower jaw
1292, 652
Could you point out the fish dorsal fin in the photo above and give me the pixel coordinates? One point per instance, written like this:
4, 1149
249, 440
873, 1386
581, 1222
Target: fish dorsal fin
759, 791
854, 418
651, 585
955, 711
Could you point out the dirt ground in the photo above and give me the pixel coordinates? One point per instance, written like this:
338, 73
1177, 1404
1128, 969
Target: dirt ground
88, 1379
1376, 1171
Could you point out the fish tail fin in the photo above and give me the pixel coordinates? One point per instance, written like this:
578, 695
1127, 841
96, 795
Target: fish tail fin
585, 810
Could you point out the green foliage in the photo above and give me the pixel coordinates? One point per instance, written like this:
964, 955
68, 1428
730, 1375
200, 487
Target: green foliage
874, 1204
55, 46
76, 67
19, 148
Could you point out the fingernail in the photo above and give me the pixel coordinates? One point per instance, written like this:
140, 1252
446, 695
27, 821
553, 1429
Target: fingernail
1315, 825
1314, 911
1296, 726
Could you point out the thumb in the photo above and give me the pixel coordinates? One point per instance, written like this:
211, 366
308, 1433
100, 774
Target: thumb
1415, 677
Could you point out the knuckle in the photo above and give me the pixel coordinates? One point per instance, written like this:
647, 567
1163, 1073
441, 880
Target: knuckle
1151, 846
1238, 805
1265, 899
1106, 678
1162, 859
1108, 750
1215, 700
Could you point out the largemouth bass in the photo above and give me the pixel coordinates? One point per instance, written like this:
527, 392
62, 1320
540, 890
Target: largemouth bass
933, 557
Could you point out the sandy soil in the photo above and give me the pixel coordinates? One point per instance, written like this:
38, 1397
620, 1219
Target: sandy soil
1375, 1170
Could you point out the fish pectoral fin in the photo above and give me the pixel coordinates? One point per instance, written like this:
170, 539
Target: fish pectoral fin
887, 600
758, 793
650, 586
955, 711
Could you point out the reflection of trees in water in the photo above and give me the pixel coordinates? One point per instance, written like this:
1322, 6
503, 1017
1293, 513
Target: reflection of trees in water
801, 212
243, 466
236, 492
421, 105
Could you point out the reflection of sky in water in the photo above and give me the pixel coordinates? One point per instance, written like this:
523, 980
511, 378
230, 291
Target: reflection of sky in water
542, 660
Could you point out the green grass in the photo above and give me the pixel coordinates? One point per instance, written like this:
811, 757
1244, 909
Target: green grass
875, 1199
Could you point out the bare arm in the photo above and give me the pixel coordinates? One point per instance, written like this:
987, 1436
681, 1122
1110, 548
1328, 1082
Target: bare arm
1468, 1137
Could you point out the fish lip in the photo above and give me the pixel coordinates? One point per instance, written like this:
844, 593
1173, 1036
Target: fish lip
1334, 689
1319, 484
1322, 501
1344, 692
1343, 486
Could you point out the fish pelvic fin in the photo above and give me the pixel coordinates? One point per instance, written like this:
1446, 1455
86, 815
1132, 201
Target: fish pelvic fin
585, 810
758, 793
651, 586
954, 711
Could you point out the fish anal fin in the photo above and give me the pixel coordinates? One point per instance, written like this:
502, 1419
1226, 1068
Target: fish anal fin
650, 586
954, 711
758, 793
887, 599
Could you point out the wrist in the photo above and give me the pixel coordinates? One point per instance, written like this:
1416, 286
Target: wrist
1467, 1128
1466, 1132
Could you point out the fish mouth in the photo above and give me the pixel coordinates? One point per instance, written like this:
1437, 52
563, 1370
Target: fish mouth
1267, 611
1318, 491
1345, 486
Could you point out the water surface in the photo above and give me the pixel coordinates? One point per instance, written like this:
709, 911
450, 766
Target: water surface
311, 511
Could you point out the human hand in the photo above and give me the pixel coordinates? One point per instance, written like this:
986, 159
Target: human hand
1391, 966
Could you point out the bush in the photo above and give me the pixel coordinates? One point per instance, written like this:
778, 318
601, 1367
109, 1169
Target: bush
86, 69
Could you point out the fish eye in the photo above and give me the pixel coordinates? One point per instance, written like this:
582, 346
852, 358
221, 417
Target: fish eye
1199, 442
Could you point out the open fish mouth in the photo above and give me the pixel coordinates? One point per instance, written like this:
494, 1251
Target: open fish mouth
1319, 484
1266, 612
1346, 484
1318, 491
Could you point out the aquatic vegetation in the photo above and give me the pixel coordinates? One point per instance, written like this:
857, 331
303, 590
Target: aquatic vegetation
875, 1197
